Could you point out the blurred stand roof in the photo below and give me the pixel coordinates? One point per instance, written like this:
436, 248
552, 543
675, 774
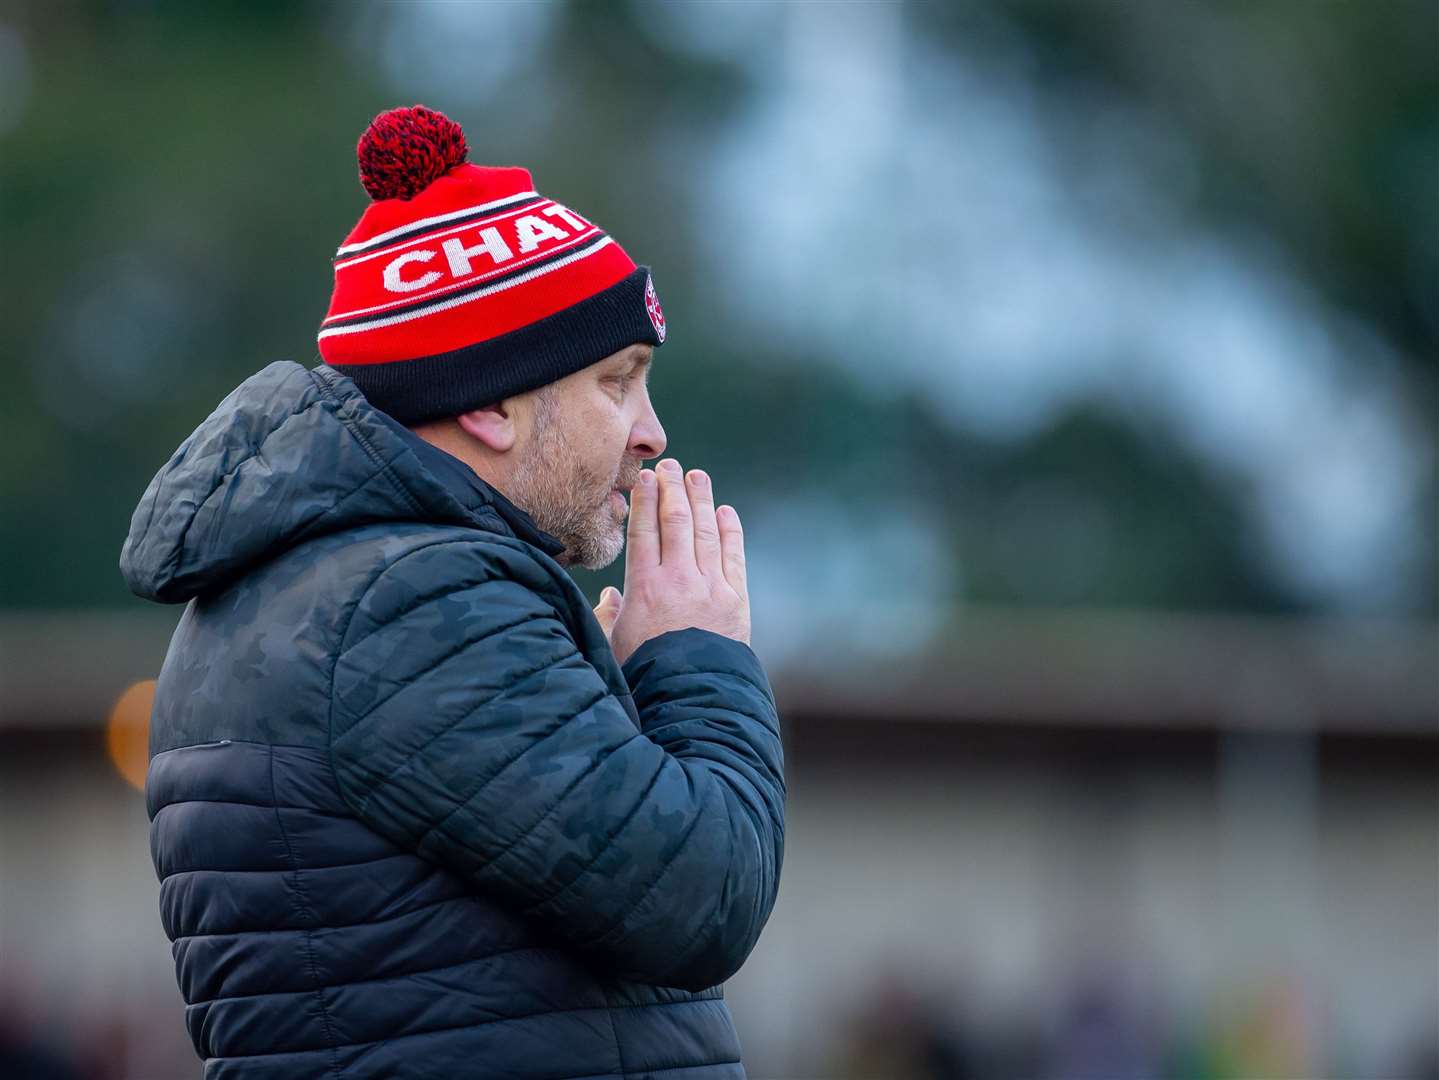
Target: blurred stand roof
1086, 668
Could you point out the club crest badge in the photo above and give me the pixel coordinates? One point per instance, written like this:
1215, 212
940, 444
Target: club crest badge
652, 306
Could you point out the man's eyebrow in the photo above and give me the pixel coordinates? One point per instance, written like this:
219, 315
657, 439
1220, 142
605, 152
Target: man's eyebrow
641, 361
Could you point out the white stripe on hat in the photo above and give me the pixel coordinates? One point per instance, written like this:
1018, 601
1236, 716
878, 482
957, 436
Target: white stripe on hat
454, 302
426, 237
438, 219
454, 286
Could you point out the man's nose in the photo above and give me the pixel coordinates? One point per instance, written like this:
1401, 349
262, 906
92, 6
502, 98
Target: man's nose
647, 438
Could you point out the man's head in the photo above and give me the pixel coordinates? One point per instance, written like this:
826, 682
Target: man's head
461, 286
558, 452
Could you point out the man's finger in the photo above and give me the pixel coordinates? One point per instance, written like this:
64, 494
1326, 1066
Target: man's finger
642, 541
707, 537
732, 543
677, 536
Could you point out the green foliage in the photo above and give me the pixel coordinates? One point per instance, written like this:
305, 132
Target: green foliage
181, 173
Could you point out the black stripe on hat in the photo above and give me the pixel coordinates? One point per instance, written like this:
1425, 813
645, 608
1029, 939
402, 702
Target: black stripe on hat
353, 250
459, 294
450, 383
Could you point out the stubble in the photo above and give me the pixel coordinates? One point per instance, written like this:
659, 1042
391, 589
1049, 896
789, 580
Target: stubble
566, 498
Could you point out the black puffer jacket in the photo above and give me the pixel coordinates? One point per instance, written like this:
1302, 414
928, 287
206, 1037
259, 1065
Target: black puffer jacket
410, 817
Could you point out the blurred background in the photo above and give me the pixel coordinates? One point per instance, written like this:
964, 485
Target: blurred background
1073, 366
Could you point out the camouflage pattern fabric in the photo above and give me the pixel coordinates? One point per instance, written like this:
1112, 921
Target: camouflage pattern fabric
410, 817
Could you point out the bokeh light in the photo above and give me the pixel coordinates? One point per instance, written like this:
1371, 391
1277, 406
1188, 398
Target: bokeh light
127, 734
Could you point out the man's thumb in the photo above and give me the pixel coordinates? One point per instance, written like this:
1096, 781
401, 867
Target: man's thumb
608, 609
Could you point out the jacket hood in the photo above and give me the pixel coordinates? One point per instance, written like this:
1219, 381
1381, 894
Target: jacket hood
293, 453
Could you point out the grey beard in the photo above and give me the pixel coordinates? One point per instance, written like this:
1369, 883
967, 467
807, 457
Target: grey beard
591, 535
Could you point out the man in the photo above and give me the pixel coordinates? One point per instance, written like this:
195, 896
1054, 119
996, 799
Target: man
411, 816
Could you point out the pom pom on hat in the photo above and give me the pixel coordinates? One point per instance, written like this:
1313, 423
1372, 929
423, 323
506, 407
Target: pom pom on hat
404, 150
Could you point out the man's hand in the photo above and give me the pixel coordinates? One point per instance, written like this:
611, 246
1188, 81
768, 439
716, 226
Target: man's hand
684, 564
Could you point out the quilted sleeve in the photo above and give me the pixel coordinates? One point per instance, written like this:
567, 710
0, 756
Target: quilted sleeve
467, 726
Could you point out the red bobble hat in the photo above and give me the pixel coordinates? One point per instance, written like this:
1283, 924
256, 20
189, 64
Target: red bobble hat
462, 286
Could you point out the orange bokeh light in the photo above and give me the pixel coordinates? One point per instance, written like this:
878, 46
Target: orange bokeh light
127, 735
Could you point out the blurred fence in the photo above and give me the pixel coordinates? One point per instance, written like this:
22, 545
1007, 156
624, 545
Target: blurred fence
1069, 845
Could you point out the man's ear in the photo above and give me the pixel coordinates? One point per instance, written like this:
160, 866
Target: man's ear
493, 425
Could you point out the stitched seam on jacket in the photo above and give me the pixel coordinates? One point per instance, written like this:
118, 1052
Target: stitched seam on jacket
614, 1032
765, 771
475, 539
257, 806
371, 790
446, 588
251, 930
749, 741
277, 870
609, 841
554, 808
335, 658
309, 946
665, 869
174, 561
662, 679
697, 1065
487, 780
688, 713
487, 1023
714, 919
374, 455
304, 533
667, 1068
444, 821
380, 978
464, 644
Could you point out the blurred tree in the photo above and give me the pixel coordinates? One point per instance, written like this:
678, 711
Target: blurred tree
173, 177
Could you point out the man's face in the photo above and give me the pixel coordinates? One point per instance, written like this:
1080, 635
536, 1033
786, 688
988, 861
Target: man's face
591, 434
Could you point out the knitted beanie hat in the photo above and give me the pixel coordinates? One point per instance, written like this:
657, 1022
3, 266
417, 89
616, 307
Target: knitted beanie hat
461, 286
